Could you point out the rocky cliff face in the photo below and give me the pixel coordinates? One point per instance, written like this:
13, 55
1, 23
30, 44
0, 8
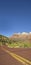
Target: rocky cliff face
22, 36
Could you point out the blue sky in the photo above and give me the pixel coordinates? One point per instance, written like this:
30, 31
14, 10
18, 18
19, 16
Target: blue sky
15, 16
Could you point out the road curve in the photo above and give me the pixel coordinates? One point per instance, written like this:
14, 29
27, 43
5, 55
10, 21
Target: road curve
6, 59
19, 60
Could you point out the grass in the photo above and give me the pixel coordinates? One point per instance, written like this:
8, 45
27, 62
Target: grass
13, 45
0, 43
20, 45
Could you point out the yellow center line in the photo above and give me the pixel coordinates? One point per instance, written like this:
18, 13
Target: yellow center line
23, 59
19, 58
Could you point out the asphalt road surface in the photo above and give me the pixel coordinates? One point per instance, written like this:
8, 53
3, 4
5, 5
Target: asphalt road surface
11, 56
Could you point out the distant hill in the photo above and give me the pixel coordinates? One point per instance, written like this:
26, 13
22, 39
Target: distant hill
21, 36
16, 40
4, 39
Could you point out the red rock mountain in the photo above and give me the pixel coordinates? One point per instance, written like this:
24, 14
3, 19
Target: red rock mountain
22, 36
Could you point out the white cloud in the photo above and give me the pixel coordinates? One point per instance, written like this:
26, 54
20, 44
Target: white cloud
25, 33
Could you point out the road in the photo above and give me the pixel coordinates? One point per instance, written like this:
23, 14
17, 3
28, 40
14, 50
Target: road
15, 56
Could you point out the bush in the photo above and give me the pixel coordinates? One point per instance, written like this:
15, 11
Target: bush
25, 45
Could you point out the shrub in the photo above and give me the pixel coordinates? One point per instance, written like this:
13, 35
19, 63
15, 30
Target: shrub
25, 45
